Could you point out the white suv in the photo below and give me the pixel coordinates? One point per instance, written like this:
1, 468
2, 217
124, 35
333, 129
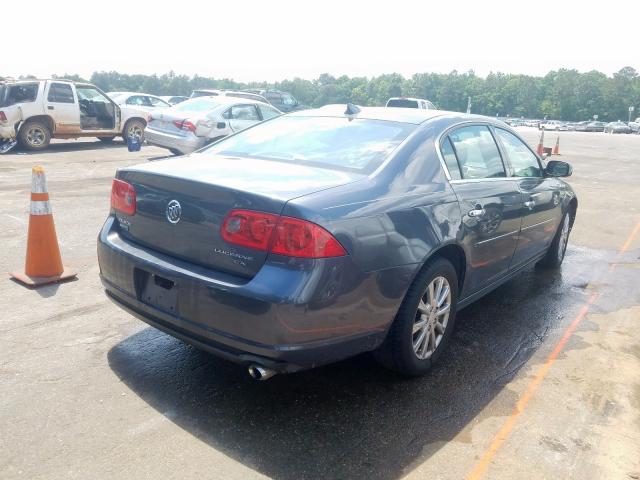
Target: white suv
35, 111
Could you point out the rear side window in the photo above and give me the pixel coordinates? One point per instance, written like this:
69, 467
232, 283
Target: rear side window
60, 93
21, 93
523, 161
450, 159
274, 97
477, 152
242, 112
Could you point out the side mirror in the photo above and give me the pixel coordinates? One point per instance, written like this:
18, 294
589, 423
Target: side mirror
557, 168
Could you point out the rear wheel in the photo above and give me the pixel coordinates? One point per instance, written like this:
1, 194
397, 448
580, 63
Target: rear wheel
424, 322
558, 247
34, 135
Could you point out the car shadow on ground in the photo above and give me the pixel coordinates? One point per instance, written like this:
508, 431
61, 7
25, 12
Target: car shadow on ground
355, 419
69, 147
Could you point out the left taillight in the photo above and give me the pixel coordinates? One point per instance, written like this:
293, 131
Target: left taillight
123, 197
3, 117
292, 237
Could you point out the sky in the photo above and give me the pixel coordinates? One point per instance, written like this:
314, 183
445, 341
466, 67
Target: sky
275, 40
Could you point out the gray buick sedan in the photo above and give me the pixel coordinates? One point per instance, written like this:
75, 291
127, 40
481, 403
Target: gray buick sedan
324, 233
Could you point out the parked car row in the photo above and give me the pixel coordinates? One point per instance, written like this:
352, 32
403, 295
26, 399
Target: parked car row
32, 112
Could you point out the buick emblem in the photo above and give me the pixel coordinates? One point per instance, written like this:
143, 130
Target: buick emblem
174, 211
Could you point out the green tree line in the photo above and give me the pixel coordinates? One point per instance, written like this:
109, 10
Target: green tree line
563, 94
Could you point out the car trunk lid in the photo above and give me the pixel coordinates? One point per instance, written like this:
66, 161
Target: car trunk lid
206, 189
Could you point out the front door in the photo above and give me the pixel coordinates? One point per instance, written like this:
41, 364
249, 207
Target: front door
62, 105
491, 204
540, 196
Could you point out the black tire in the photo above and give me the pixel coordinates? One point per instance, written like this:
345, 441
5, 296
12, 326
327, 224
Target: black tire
397, 352
135, 126
555, 254
34, 135
106, 139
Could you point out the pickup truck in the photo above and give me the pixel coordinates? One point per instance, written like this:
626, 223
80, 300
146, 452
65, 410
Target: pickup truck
35, 111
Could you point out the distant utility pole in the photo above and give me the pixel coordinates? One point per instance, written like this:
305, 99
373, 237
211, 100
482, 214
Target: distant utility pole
469, 105
631, 109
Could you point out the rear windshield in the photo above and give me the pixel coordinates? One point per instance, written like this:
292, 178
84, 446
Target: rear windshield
202, 104
333, 142
18, 93
402, 103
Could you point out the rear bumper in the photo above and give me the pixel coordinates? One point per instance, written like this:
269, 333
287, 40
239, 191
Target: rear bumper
284, 318
184, 144
7, 131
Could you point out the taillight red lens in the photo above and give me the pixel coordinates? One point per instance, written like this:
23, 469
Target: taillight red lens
185, 125
3, 117
249, 229
299, 238
149, 118
123, 197
288, 236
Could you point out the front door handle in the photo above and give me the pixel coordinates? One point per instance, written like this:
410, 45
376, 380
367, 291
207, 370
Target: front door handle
478, 211
530, 204
50, 107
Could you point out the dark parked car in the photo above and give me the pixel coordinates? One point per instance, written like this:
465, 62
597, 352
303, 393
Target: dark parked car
283, 101
595, 127
617, 127
321, 234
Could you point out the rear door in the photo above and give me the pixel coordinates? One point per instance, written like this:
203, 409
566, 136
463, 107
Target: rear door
62, 105
242, 116
541, 198
490, 202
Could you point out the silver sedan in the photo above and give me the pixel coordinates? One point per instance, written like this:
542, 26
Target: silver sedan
194, 123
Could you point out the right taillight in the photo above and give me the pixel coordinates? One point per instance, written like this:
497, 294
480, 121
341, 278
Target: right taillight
288, 236
123, 197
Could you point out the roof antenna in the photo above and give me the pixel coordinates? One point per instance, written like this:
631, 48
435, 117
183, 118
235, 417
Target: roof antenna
352, 109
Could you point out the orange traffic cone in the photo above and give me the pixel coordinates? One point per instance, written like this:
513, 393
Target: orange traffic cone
540, 149
43, 264
556, 149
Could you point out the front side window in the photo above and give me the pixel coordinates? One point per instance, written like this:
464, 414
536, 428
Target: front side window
268, 112
332, 142
288, 99
60, 93
91, 94
477, 153
523, 161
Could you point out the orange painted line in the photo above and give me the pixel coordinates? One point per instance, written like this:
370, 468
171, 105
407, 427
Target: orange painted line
504, 432
627, 244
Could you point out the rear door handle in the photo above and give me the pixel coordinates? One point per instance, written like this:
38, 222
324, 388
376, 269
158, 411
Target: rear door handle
50, 107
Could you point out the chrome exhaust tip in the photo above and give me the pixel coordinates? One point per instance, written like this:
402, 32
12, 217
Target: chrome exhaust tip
260, 373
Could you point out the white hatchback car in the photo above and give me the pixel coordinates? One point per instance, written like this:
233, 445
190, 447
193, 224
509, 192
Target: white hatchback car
135, 108
196, 122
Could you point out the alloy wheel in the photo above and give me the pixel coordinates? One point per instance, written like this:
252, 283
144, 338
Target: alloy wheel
431, 318
36, 136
